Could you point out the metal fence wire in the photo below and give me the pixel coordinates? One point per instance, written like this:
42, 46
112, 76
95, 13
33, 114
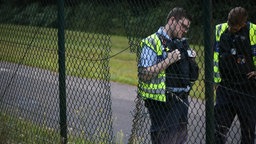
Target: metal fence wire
55, 72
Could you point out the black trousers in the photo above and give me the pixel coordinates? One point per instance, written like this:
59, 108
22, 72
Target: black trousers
229, 103
169, 119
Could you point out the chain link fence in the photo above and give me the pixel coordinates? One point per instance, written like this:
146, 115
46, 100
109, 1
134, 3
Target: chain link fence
55, 81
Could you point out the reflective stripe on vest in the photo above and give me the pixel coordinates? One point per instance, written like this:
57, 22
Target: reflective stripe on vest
155, 88
219, 30
253, 41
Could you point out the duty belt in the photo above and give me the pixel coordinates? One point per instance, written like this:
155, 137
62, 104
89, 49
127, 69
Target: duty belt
182, 95
178, 89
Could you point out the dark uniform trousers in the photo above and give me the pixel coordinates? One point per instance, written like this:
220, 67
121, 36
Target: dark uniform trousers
240, 101
169, 119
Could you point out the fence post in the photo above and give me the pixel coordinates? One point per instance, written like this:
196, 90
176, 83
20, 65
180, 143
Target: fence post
62, 72
209, 94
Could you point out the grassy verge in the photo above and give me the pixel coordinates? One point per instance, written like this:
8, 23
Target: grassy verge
37, 47
123, 67
18, 130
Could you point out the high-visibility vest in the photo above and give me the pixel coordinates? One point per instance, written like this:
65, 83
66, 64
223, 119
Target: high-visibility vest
154, 88
220, 28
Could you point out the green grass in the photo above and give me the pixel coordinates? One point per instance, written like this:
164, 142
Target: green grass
37, 47
123, 67
19, 130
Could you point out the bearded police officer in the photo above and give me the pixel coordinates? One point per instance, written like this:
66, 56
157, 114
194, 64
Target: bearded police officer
166, 70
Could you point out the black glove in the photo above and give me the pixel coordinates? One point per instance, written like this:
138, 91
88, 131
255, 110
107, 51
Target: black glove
176, 44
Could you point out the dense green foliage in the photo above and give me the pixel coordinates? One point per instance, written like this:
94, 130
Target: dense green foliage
131, 18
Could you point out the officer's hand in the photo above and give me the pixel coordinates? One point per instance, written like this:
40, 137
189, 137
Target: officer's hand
215, 86
191, 53
174, 56
251, 74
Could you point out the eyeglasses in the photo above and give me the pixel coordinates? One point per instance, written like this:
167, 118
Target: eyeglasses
186, 27
183, 25
236, 27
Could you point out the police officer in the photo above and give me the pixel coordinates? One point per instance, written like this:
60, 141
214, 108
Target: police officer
164, 75
234, 72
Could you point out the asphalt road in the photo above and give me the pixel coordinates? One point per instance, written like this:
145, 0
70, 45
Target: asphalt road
123, 104
33, 94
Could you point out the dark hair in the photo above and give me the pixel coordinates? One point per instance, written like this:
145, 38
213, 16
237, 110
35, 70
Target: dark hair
178, 13
237, 16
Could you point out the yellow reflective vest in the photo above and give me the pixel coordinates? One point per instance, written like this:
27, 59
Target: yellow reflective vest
220, 28
154, 88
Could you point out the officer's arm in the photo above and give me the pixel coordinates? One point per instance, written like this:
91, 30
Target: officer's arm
148, 73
